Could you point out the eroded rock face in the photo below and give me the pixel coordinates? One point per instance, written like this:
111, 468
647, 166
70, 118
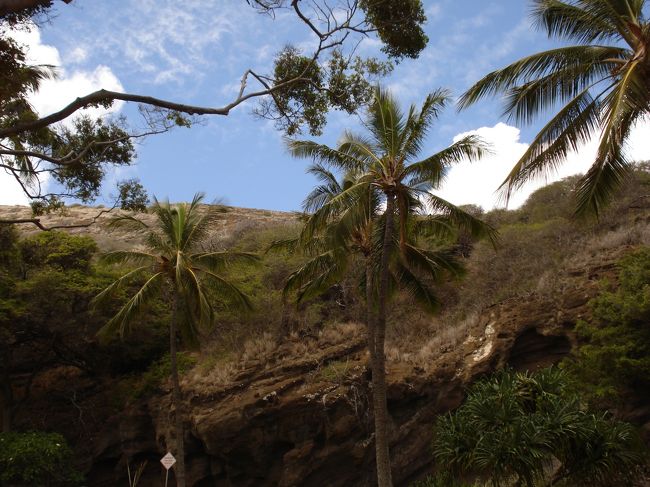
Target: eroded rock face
292, 424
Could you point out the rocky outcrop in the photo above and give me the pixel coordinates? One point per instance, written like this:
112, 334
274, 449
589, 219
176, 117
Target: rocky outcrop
302, 418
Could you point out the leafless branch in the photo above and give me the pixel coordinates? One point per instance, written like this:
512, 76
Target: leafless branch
37, 221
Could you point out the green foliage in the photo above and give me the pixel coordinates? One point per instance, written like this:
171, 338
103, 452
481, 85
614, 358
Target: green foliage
614, 356
36, 458
48, 205
399, 25
160, 371
58, 250
513, 426
336, 371
83, 178
132, 196
441, 479
290, 64
174, 266
9, 252
45, 321
340, 83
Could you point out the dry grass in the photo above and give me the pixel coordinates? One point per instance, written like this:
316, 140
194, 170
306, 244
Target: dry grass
440, 341
218, 366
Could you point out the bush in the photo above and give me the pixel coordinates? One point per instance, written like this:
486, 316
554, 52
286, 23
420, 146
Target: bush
514, 426
58, 250
160, 371
614, 355
442, 479
36, 458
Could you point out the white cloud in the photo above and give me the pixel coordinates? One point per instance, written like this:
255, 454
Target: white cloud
56, 93
10, 191
476, 182
76, 56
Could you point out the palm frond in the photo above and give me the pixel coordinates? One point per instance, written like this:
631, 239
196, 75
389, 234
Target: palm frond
539, 65
461, 219
126, 221
432, 170
323, 154
572, 127
233, 296
218, 261
386, 121
122, 321
115, 286
422, 293
611, 166
128, 257
578, 22
418, 123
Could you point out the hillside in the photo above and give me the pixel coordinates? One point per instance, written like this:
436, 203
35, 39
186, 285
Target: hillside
280, 396
232, 220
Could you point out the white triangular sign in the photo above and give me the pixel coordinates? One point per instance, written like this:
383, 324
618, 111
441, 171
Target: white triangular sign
168, 461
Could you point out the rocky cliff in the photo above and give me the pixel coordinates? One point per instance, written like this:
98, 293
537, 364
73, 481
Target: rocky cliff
299, 416
297, 412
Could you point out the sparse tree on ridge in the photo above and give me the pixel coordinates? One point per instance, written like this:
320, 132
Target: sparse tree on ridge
175, 266
600, 81
387, 161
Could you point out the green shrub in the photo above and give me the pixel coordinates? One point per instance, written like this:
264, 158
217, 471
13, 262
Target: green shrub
160, 371
514, 426
58, 250
36, 459
614, 356
442, 479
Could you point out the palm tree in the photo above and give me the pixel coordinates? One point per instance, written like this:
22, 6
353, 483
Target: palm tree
386, 162
601, 81
176, 268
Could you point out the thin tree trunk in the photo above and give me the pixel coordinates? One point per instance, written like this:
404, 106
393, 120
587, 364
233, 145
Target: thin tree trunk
370, 312
179, 469
384, 478
6, 407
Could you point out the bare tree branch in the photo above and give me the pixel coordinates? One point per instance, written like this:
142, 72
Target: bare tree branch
37, 221
72, 158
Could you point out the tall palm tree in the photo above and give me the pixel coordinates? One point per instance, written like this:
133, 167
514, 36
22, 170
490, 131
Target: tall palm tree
601, 81
176, 268
386, 161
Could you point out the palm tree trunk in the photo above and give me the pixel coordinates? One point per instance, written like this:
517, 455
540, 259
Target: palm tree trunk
384, 478
370, 312
179, 469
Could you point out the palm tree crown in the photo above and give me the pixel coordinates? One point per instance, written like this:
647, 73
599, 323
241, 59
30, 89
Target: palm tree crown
601, 82
174, 262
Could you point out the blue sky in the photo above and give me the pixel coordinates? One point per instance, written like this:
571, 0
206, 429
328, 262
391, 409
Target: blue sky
196, 51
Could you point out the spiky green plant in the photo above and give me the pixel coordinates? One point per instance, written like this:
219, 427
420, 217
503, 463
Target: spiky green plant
386, 169
531, 429
175, 267
600, 81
